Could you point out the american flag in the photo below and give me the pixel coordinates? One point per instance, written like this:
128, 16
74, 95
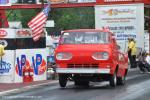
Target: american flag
38, 22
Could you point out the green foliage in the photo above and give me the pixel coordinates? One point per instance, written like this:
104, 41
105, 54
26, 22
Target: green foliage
72, 18
64, 18
28, 15
147, 20
14, 15
23, 15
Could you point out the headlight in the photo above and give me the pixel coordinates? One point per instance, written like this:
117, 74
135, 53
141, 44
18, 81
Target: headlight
100, 56
63, 56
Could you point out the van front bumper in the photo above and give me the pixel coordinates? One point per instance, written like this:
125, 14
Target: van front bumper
83, 70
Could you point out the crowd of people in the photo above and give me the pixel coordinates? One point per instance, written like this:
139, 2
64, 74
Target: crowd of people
142, 60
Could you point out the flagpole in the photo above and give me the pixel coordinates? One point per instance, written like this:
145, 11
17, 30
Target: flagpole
42, 4
45, 32
35, 22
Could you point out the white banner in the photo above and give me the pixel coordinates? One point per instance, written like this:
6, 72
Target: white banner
7, 63
36, 59
123, 20
7, 33
5, 3
146, 42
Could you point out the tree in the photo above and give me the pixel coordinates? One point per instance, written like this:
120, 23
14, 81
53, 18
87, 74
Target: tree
64, 18
72, 18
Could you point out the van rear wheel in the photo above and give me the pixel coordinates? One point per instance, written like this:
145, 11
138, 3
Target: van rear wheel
62, 80
121, 80
113, 80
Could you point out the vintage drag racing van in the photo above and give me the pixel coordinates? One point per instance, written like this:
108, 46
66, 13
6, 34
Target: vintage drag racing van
86, 55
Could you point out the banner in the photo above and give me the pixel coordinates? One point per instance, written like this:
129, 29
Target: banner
35, 59
7, 63
125, 20
66, 1
4, 2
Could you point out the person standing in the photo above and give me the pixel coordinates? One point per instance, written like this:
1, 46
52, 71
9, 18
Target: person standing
147, 60
141, 61
129, 50
132, 52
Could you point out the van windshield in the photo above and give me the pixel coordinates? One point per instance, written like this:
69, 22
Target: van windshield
84, 38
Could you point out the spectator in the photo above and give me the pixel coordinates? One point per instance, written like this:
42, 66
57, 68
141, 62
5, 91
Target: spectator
144, 62
141, 61
147, 62
132, 52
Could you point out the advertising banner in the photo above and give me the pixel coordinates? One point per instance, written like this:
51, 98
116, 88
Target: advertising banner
117, 0
26, 1
66, 1
146, 41
7, 63
34, 59
4, 33
52, 1
4, 2
7, 67
81, 1
126, 20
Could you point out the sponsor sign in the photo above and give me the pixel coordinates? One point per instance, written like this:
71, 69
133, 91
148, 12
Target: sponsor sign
25, 1
39, 64
5, 67
4, 2
146, 42
125, 20
23, 33
120, 0
31, 58
7, 33
65, 1
120, 20
3, 33
80, 1
52, 1
7, 63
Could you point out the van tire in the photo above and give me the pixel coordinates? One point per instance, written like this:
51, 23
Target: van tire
121, 80
62, 80
113, 80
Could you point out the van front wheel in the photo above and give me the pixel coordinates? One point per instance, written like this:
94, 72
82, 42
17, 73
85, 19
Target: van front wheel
62, 80
113, 80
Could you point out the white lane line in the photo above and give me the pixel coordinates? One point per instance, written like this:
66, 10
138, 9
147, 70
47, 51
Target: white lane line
135, 91
133, 69
135, 76
8, 91
33, 86
27, 87
37, 85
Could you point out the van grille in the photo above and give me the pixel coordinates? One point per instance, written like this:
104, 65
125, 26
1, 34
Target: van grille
82, 65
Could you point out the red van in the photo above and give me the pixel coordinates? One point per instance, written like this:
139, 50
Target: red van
86, 55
